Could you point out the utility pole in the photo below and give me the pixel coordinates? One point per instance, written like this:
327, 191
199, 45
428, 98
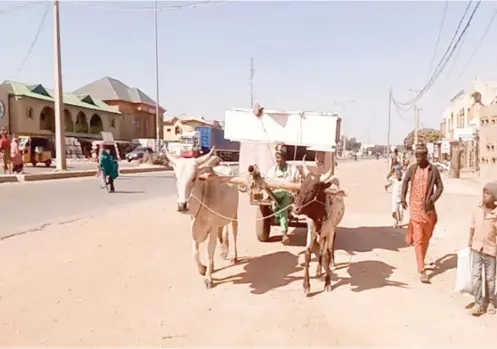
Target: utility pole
252, 74
60, 139
157, 111
416, 123
416, 118
389, 124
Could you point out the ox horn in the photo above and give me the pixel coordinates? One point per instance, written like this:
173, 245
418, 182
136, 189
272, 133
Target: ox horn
304, 166
172, 158
325, 177
204, 158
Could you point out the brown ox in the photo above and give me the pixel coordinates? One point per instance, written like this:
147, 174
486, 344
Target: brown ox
322, 213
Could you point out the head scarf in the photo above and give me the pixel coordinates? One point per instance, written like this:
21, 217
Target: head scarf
421, 148
491, 187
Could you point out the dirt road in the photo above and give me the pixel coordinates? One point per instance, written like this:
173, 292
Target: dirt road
118, 280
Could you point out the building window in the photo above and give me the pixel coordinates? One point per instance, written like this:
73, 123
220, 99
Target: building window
177, 130
168, 130
113, 123
29, 112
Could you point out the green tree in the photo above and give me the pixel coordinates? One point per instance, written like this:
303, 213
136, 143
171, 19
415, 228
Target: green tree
425, 135
353, 144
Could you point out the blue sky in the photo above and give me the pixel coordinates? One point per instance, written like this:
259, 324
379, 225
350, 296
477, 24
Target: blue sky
308, 55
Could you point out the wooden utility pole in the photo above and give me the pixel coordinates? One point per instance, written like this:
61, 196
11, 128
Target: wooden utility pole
389, 124
416, 124
60, 142
157, 110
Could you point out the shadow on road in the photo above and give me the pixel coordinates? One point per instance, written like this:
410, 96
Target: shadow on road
366, 239
267, 272
129, 192
351, 240
125, 176
369, 275
443, 264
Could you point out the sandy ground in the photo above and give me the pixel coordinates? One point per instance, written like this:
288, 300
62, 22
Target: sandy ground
127, 279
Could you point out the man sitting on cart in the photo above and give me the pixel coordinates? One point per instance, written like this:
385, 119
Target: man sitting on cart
284, 172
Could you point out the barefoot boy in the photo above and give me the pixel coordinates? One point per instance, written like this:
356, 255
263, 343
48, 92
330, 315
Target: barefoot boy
397, 209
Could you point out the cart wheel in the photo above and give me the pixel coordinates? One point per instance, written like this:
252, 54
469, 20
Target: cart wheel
263, 226
33, 163
48, 163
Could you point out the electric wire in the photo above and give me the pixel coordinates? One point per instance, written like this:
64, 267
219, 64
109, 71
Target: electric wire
453, 63
20, 7
448, 54
443, 62
150, 8
35, 39
478, 45
444, 15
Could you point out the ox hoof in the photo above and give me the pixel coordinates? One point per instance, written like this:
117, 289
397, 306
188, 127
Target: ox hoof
202, 269
328, 288
224, 255
208, 284
319, 272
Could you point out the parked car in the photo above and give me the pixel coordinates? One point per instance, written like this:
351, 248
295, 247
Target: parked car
442, 167
139, 153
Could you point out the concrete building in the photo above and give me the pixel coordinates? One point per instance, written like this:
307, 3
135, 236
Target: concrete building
174, 126
461, 120
29, 110
138, 108
488, 142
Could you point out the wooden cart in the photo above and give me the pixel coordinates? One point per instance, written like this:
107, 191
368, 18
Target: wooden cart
258, 130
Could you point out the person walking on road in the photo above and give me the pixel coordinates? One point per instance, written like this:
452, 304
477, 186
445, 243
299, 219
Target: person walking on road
397, 209
110, 169
5, 150
483, 244
394, 161
426, 187
16, 156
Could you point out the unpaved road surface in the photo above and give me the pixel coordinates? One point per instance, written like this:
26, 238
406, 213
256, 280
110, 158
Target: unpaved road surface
118, 281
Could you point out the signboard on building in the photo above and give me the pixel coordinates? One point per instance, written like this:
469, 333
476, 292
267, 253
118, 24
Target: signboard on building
464, 133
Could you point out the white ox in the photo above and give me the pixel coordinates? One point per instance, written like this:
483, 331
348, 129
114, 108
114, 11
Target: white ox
212, 205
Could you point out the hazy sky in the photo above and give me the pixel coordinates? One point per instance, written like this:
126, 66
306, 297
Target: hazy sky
308, 55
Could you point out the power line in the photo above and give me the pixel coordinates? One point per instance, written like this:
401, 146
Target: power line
456, 56
148, 8
443, 60
444, 15
447, 56
20, 7
35, 39
478, 45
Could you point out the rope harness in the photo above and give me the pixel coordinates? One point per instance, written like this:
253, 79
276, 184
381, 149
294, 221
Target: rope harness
257, 219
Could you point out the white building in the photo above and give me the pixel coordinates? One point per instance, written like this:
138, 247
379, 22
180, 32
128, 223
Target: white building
461, 118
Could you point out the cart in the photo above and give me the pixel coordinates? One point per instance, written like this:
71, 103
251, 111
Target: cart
258, 131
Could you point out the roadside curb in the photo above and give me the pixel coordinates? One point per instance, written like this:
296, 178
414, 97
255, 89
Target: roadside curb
75, 174
8, 179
